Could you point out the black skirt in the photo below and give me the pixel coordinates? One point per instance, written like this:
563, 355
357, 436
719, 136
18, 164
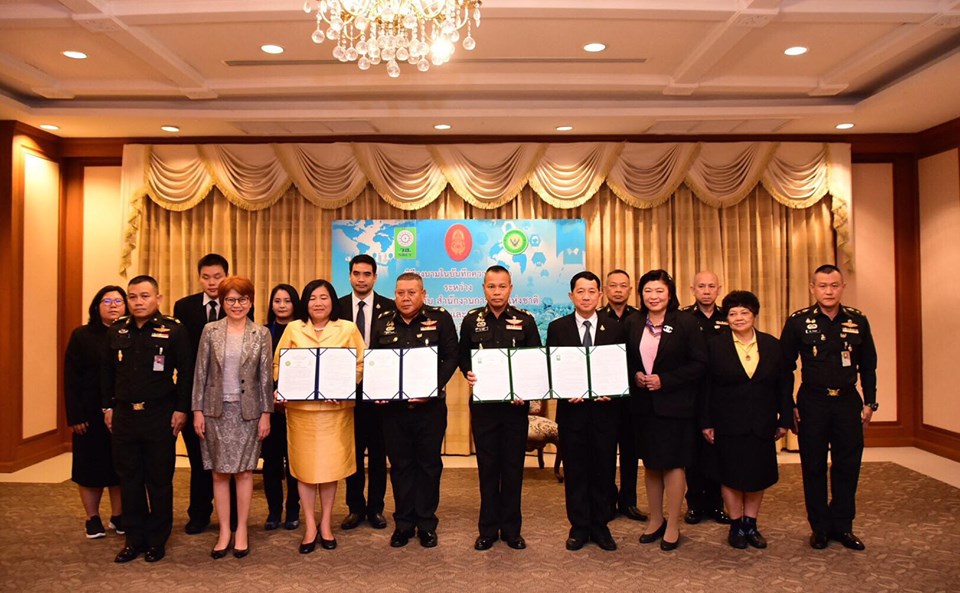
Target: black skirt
665, 443
93, 457
746, 462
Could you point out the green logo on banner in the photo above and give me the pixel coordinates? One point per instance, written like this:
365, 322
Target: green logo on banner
405, 243
515, 242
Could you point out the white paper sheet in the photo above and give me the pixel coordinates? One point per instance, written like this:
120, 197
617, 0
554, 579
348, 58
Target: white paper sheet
531, 375
420, 369
492, 368
568, 372
297, 374
381, 374
608, 371
338, 374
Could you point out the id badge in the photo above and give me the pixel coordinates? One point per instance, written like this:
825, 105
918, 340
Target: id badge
159, 359
845, 358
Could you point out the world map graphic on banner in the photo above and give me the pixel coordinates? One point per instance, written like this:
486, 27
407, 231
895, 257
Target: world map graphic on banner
452, 256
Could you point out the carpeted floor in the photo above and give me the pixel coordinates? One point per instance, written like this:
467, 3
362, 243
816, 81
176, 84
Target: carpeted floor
908, 521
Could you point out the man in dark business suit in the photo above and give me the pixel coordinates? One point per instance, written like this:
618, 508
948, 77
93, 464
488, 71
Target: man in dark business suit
588, 428
362, 306
195, 311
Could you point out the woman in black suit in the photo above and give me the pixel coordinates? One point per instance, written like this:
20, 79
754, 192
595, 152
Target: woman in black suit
748, 407
666, 357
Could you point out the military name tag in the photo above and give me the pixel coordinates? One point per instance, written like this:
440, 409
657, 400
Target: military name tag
164, 336
158, 362
845, 358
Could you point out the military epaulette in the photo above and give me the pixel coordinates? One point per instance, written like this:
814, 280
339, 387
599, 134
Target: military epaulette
388, 312
170, 318
472, 311
803, 311
687, 309
852, 311
121, 320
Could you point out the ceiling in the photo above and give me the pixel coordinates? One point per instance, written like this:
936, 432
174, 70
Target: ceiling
671, 67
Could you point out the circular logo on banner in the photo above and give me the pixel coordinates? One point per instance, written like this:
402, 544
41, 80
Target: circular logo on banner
459, 242
515, 242
405, 238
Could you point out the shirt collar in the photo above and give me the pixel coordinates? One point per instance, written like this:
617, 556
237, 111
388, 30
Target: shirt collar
750, 342
207, 300
592, 319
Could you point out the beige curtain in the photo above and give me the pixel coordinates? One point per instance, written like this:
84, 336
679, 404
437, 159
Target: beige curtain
756, 244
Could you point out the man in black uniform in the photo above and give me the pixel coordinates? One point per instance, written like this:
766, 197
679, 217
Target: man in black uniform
835, 346
617, 290
362, 306
145, 407
588, 428
703, 492
413, 429
499, 429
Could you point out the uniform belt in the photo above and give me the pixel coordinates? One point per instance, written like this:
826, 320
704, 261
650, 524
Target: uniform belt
138, 406
831, 391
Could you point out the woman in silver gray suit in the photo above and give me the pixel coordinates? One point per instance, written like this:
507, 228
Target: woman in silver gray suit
232, 402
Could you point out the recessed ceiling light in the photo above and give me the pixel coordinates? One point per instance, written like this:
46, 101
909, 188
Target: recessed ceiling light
171, 129
50, 127
75, 55
594, 47
564, 128
271, 49
441, 127
797, 50
845, 126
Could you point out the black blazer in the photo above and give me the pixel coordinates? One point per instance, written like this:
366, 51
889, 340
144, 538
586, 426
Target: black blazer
564, 331
738, 404
191, 313
380, 305
680, 363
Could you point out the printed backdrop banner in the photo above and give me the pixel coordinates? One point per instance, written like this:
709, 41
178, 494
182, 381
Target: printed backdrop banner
452, 255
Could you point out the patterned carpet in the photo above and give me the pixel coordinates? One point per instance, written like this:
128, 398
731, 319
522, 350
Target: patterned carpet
908, 521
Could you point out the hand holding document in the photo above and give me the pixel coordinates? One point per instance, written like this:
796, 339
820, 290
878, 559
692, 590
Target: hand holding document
400, 374
317, 374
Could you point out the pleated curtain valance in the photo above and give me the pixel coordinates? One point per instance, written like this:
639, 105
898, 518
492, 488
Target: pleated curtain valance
411, 176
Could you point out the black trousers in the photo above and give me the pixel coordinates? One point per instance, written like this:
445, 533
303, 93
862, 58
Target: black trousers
834, 424
276, 469
144, 457
201, 481
588, 439
626, 496
500, 438
703, 490
368, 437
413, 434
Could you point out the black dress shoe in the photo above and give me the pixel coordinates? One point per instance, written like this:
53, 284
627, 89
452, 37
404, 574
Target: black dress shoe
649, 538
818, 540
218, 554
351, 521
272, 522
738, 539
400, 538
633, 513
377, 520
328, 544
604, 541
483, 543
693, 516
720, 516
756, 539
238, 553
127, 554
428, 538
291, 524
195, 527
154, 554
516, 542
574, 543
670, 546
848, 539
309, 547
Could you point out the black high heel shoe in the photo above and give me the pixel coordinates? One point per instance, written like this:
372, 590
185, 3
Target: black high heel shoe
669, 546
309, 547
238, 553
328, 544
218, 554
649, 538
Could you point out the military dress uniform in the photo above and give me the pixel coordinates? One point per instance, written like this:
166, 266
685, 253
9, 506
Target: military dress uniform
499, 429
625, 497
703, 490
413, 431
833, 352
139, 385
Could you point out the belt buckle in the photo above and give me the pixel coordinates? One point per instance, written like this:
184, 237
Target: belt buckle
138, 406
833, 392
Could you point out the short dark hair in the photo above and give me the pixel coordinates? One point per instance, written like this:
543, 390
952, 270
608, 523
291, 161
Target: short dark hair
294, 299
741, 298
826, 269
363, 258
411, 276
618, 271
497, 269
213, 259
144, 278
662, 276
586, 275
305, 298
94, 309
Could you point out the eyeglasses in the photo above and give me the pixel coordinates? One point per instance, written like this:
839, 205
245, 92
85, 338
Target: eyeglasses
231, 301
111, 302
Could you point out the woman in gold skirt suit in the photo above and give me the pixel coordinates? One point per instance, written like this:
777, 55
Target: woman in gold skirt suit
320, 433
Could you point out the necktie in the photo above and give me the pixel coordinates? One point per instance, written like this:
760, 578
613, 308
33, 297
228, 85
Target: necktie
212, 315
362, 320
587, 339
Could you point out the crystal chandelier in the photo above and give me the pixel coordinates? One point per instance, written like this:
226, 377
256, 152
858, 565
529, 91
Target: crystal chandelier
419, 32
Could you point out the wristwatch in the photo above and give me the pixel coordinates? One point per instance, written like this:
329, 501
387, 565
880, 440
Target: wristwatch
873, 406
